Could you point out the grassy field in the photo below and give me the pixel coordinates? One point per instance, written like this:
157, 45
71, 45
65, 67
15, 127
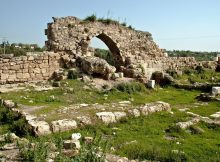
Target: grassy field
202, 75
154, 137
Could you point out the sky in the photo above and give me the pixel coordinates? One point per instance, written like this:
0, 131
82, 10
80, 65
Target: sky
175, 24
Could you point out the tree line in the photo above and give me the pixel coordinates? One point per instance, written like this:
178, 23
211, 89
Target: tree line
19, 49
199, 56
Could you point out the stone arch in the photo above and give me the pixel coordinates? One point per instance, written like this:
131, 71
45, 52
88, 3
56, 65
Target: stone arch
112, 46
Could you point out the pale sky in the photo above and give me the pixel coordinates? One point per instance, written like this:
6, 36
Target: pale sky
174, 24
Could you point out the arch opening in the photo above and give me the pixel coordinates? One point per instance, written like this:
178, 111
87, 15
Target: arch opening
104, 47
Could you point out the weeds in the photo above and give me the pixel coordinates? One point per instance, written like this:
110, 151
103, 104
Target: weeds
133, 87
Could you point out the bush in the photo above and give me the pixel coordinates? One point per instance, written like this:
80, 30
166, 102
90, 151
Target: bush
17, 124
200, 69
7, 116
72, 74
20, 127
188, 71
124, 24
173, 73
91, 18
133, 87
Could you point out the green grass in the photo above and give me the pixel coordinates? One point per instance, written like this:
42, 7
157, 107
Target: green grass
149, 132
206, 110
149, 136
192, 76
64, 97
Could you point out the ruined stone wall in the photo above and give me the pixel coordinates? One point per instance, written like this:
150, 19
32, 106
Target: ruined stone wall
73, 35
33, 67
167, 63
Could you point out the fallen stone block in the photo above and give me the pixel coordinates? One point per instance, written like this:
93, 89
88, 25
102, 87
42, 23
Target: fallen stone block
9, 104
119, 115
215, 90
63, 125
106, 117
39, 128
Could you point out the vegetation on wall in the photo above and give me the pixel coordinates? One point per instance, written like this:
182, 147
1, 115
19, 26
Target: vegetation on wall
93, 18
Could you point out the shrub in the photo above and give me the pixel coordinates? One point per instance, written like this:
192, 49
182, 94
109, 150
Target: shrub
188, 71
133, 87
124, 24
72, 74
173, 73
108, 21
91, 18
200, 69
20, 127
7, 116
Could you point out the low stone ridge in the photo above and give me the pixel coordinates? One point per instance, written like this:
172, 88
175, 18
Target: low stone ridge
154, 107
112, 117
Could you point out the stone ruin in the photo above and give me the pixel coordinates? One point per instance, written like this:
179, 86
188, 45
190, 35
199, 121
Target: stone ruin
135, 53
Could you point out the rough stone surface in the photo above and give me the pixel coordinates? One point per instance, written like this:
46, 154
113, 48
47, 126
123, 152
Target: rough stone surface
106, 117
134, 112
95, 65
71, 144
63, 125
119, 115
154, 107
134, 52
215, 90
39, 127
33, 67
184, 125
8, 103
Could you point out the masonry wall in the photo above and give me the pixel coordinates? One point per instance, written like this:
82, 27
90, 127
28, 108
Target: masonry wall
33, 67
74, 35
